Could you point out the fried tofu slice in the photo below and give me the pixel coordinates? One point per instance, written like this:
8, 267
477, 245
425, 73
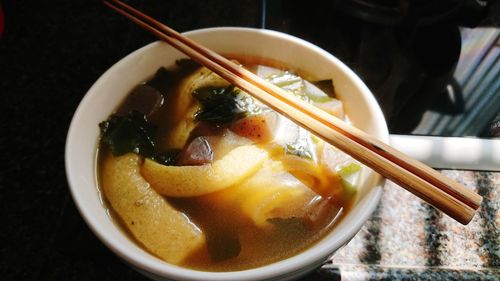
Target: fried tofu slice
259, 128
270, 193
187, 181
162, 230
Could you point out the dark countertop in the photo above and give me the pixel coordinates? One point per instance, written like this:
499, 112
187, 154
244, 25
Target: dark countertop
51, 53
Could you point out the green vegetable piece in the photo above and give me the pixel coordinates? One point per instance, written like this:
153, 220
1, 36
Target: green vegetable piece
291, 225
129, 133
320, 99
349, 169
320, 91
349, 175
289, 82
223, 246
286, 80
219, 105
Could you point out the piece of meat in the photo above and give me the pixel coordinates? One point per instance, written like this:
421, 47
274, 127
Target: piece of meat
258, 128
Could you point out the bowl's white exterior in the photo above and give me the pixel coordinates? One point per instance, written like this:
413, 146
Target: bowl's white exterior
114, 84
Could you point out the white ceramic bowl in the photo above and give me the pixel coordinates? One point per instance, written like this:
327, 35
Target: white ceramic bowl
114, 84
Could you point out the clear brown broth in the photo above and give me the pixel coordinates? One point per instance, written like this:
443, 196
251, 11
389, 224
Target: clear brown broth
258, 246
221, 225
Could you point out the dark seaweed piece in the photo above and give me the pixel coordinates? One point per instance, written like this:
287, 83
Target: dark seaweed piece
291, 225
187, 64
162, 80
219, 105
129, 133
168, 157
326, 86
224, 246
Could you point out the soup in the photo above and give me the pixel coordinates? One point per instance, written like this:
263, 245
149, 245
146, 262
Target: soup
205, 177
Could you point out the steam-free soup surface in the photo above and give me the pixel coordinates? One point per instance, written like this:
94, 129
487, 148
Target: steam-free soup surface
203, 176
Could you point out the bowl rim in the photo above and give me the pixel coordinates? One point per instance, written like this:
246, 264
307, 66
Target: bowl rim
288, 266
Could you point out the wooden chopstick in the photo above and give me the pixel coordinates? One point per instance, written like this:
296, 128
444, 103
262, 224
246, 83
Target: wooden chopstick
430, 185
463, 194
